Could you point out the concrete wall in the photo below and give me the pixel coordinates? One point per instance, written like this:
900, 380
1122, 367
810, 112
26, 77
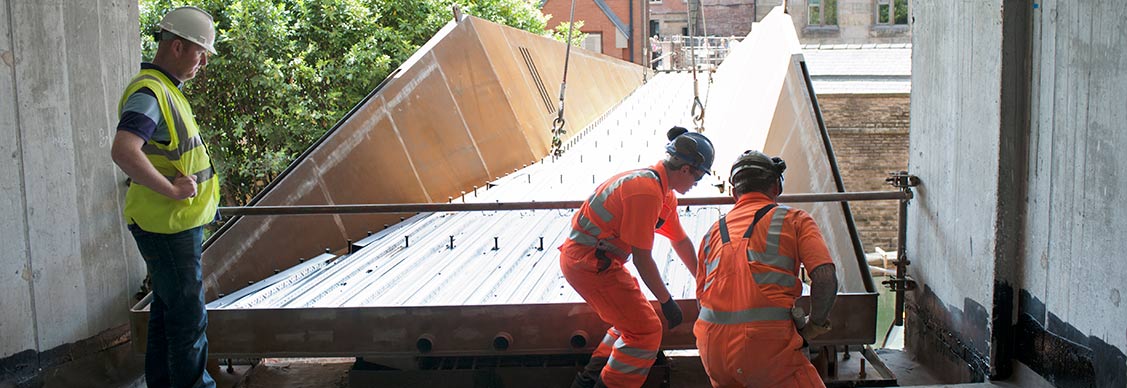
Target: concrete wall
1015, 235
69, 267
956, 126
1072, 247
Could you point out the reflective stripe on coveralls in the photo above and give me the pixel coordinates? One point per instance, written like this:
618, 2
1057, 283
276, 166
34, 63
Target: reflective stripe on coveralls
603, 231
770, 257
754, 342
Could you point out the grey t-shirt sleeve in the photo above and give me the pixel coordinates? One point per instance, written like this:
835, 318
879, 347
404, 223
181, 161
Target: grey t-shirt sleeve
141, 116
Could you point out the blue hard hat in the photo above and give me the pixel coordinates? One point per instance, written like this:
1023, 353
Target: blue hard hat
691, 147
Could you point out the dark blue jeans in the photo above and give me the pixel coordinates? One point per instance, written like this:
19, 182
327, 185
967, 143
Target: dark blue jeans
176, 352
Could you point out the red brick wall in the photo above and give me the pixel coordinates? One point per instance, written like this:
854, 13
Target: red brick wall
595, 21
869, 134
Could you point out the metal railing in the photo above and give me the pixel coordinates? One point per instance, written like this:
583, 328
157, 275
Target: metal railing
674, 53
531, 205
902, 181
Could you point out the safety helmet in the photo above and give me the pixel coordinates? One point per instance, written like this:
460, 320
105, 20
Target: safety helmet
191, 23
763, 165
691, 147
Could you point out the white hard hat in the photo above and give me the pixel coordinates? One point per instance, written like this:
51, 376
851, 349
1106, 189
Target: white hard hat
191, 23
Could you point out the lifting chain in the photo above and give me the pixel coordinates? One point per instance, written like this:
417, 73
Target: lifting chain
698, 107
557, 131
558, 123
698, 114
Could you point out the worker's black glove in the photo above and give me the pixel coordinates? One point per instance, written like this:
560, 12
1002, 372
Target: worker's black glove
672, 312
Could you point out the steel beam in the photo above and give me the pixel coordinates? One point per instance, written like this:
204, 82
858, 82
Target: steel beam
547, 328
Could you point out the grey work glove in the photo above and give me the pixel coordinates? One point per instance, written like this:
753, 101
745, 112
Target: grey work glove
812, 330
807, 328
672, 312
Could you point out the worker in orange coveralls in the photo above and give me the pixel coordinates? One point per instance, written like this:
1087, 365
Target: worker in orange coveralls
749, 333
619, 221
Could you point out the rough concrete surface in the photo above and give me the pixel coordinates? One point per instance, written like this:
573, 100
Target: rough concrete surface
955, 126
1018, 213
1073, 255
17, 322
68, 267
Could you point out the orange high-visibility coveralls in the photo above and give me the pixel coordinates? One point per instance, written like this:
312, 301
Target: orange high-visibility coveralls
747, 283
624, 212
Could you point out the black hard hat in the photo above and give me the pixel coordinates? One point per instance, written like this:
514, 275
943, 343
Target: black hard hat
692, 148
767, 167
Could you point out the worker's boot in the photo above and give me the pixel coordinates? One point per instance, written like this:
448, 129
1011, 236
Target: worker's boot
589, 377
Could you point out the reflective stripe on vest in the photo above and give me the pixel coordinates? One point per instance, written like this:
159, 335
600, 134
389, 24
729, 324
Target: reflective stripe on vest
589, 233
185, 141
769, 257
597, 202
706, 246
185, 154
201, 176
776, 229
586, 236
191, 143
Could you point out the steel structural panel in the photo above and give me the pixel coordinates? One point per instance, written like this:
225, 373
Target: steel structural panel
456, 330
464, 109
760, 100
450, 274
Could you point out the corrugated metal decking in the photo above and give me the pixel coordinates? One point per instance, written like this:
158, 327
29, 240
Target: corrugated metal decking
412, 264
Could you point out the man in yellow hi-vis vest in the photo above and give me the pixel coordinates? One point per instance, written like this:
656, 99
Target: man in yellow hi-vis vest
173, 193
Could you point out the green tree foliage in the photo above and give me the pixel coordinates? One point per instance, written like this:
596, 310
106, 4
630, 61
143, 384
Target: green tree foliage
288, 70
577, 37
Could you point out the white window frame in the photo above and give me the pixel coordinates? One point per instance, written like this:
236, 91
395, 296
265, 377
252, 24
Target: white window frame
891, 12
821, 13
597, 37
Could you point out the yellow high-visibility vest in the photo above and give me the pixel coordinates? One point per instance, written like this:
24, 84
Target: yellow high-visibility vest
184, 155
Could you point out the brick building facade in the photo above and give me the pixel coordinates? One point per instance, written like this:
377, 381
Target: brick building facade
816, 21
869, 133
617, 28
846, 21
720, 17
728, 17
